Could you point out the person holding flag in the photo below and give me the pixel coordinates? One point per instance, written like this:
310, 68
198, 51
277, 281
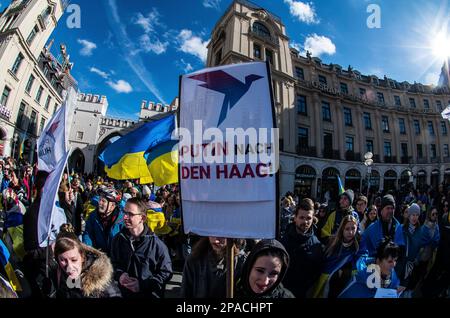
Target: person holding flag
334, 219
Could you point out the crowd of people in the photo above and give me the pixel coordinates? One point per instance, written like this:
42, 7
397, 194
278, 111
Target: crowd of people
124, 239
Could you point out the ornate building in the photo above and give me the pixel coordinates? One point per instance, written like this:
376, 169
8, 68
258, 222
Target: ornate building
329, 117
32, 80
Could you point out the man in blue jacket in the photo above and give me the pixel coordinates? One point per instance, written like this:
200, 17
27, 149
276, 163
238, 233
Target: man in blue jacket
386, 227
141, 261
105, 222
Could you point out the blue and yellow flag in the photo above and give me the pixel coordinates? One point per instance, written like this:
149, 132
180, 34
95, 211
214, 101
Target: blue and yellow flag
126, 157
341, 187
4, 261
162, 162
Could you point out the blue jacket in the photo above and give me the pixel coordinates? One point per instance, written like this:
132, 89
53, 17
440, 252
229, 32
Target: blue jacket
95, 235
358, 287
373, 236
5, 184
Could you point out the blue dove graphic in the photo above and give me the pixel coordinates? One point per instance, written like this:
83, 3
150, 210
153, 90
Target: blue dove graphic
224, 83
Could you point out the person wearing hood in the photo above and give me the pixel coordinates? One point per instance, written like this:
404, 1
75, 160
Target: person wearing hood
83, 272
416, 237
305, 251
263, 272
364, 283
385, 227
141, 261
334, 219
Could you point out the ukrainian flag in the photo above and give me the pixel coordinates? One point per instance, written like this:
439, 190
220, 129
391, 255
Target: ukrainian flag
341, 187
126, 157
162, 162
4, 261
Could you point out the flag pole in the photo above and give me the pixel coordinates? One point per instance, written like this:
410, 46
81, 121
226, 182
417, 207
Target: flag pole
230, 268
47, 252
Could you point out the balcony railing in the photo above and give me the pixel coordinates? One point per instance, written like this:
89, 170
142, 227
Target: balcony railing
392, 159
306, 151
331, 154
421, 160
352, 156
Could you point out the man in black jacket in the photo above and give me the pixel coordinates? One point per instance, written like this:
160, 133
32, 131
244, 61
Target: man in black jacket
304, 249
141, 261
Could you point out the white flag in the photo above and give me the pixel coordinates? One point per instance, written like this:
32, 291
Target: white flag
446, 113
51, 216
52, 144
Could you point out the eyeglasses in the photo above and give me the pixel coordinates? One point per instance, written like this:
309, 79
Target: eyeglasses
129, 214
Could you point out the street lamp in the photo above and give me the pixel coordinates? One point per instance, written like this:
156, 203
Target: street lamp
15, 138
368, 162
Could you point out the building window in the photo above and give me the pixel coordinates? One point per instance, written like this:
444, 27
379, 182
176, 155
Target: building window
446, 152
433, 151
444, 127
299, 73
301, 105
401, 124
349, 143
426, 104
269, 56
20, 115
397, 100
323, 80
380, 97
367, 121
326, 111
303, 137
17, 63
369, 145
80, 135
256, 51
32, 124
362, 92
404, 150
344, 88
347, 116
47, 102
385, 124
54, 109
29, 84
5, 96
39, 94
431, 128
41, 126
416, 127
261, 30
32, 35
218, 57
419, 151
387, 149
412, 103
439, 105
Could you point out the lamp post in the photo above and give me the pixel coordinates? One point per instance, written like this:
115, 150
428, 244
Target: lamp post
368, 162
15, 138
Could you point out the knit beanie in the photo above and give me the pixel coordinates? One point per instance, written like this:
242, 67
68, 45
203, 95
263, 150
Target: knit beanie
388, 199
350, 195
414, 209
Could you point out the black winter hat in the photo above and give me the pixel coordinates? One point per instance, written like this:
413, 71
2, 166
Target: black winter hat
388, 199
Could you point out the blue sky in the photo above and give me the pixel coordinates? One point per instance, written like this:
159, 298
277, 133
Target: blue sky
136, 49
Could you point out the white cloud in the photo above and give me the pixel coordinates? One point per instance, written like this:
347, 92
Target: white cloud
192, 44
304, 12
296, 46
135, 62
99, 72
148, 22
87, 48
120, 86
183, 65
152, 44
432, 78
215, 4
319, 44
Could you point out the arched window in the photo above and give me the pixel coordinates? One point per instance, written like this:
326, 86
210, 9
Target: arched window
261, 30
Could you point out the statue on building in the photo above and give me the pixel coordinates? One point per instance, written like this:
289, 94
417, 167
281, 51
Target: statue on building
308, 55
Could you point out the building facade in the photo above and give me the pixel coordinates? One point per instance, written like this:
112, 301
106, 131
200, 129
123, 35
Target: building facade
32, 80
329, 117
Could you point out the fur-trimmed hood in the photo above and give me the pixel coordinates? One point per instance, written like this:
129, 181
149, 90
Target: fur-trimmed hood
97, 274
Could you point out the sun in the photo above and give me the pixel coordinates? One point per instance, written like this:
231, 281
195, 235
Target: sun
440, 45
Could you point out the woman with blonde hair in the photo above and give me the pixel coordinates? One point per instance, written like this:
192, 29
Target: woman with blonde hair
83, 272
340, 260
